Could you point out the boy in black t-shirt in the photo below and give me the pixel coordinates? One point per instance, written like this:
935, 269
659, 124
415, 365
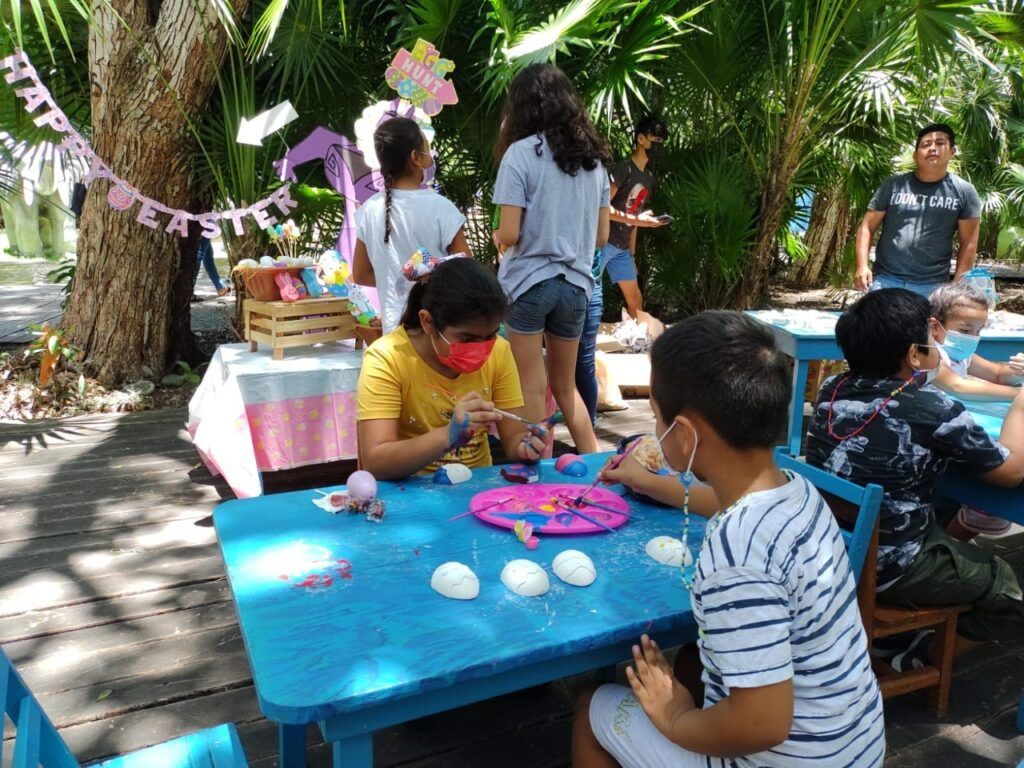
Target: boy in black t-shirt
883, 422
632, 187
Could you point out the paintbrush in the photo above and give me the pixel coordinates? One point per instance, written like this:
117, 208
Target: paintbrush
582, 516
615, 462
483, 508
591, 503
520, 419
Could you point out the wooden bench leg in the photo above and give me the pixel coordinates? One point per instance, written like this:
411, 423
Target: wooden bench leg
355, 752
279, 353
942, 657
292, 742
253, 346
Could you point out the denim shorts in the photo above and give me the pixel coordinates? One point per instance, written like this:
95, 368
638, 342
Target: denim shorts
888, 281
619, 263
555, 306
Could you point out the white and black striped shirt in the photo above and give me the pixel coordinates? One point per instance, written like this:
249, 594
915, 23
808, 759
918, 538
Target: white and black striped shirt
775, 599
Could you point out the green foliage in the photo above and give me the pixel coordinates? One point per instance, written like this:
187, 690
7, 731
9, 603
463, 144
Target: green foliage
190, 375
64, 273
766, 99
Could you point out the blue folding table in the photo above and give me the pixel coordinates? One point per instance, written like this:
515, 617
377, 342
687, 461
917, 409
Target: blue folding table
810, 335
342, 628
1007, 503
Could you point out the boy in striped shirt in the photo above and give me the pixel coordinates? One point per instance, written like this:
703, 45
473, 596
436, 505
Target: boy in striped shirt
787, 680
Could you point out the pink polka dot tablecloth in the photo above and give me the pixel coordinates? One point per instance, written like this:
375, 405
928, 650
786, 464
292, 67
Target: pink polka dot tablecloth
254, 414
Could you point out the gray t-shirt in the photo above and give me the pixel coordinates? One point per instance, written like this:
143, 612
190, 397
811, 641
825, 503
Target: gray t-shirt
916, 242
559, 227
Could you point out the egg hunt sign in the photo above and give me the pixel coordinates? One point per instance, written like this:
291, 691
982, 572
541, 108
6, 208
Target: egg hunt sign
419, 77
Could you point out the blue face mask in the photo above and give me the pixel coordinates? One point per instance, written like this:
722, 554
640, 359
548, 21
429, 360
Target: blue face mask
960, 346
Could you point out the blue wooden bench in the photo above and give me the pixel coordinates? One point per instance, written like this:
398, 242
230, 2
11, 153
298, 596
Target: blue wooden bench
37, 743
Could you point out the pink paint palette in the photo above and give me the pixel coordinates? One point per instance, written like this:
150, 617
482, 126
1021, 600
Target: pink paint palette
536, 504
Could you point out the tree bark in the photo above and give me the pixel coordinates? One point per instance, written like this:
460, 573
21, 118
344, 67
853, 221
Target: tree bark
826, 235
753, 286
152, 67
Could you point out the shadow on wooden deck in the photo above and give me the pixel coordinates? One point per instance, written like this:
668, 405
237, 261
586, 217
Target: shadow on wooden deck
114, 605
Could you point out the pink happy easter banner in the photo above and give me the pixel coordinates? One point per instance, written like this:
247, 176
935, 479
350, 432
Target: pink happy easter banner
121, 196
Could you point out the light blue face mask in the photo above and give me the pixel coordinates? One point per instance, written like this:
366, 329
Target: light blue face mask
959, 346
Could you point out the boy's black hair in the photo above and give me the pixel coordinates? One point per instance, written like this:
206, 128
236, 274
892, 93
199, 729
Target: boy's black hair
650, 125
876, 333
458, 291
942, 127
726, 367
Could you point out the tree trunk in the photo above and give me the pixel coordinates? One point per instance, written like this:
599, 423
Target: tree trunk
753, 286
826, 235
152, 66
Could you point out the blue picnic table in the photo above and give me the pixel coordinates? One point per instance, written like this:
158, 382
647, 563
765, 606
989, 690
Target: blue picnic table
809, 335
342, 628
1007, 503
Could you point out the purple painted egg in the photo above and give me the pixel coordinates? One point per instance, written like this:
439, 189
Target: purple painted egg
362, 486
572, 465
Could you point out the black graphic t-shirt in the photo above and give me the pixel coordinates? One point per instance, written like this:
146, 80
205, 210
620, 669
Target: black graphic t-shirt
916, 241
904, 449
632, 195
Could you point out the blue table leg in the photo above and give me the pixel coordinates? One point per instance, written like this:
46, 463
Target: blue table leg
796, 415
1020, 713
354, 752
292, 741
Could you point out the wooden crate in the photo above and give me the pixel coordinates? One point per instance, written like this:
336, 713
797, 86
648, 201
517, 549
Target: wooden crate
284, 324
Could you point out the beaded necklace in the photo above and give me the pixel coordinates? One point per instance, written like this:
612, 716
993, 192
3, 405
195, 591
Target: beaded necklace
878, 409
711, 526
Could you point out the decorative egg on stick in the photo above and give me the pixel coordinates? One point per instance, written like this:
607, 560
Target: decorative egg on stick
362, 486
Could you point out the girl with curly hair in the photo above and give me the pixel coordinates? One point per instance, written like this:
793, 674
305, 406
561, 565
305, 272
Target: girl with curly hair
553, 194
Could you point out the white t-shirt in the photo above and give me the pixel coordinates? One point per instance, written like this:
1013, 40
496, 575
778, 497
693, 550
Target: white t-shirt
420, 218
959, 367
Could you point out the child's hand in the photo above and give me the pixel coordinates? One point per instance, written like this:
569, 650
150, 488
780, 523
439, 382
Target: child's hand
478, 410
663, 697
532, 445
629, 473
470, 412
1016, 364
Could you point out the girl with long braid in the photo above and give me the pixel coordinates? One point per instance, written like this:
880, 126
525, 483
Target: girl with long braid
393, 224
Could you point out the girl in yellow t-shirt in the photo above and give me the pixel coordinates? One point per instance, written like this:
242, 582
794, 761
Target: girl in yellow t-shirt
428, 390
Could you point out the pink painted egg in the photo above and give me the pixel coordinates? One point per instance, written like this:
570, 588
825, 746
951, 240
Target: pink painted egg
120, 198
362, 486
571, 464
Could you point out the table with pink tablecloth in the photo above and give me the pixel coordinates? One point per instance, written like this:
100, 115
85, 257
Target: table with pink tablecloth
254, 414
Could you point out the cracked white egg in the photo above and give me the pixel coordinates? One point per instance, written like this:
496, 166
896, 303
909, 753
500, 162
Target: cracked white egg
668, 550
525, 577
456, 581
575, 568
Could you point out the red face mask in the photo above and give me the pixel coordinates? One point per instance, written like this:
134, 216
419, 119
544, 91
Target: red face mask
465, 356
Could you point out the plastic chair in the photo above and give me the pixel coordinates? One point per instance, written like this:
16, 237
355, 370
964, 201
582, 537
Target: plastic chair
37, 743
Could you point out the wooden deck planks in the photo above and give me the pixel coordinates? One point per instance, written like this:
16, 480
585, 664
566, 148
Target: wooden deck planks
114, 604
25, 305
